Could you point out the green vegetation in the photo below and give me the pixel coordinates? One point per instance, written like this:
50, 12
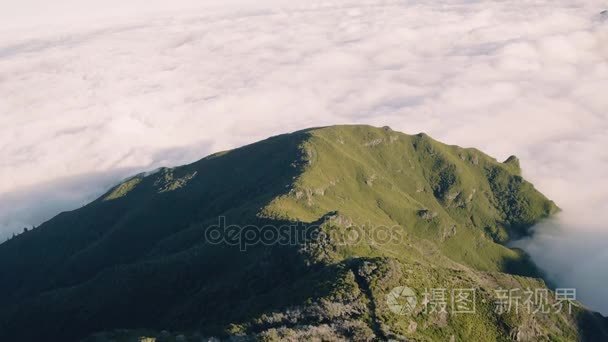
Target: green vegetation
138, 258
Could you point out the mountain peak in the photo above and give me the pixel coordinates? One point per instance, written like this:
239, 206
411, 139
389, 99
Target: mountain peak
180, 242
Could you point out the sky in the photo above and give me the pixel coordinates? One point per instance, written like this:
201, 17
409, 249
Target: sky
94, 91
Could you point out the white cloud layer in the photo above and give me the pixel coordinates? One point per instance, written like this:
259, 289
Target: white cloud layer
92, 101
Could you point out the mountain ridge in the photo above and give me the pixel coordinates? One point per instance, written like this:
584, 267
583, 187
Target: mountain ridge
142, 247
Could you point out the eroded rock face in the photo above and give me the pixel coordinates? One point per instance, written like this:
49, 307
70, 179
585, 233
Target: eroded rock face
529, 331
411, 328
427, 214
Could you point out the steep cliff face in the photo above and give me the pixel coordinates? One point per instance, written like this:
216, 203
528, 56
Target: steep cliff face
303, 235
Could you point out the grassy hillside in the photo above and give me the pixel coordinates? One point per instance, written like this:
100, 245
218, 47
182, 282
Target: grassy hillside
425, 215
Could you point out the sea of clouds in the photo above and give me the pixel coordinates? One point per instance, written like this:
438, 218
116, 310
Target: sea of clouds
92, 92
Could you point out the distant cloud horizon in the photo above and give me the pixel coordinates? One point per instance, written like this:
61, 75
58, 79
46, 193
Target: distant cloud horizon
104, 92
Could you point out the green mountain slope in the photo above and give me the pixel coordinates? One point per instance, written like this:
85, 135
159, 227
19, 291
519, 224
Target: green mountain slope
319, 226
